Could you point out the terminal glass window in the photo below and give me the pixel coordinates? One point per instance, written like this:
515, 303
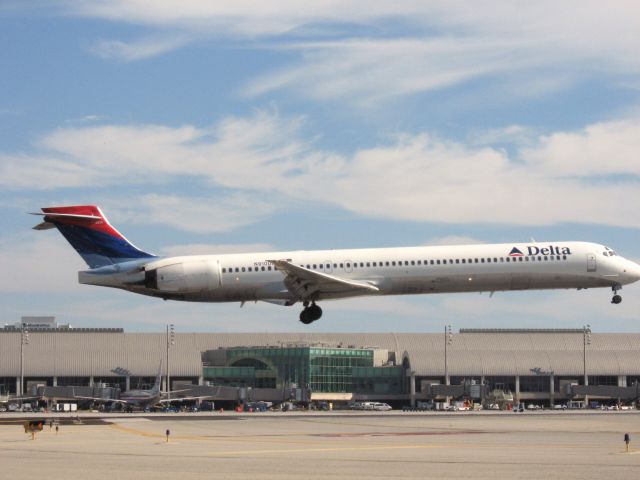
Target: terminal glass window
537, 383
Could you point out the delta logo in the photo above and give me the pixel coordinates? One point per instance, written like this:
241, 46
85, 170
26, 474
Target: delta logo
536, 250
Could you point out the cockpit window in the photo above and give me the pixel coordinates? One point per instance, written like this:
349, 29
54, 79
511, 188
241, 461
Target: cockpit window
608, 252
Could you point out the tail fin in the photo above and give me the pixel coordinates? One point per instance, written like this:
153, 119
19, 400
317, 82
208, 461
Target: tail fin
90, 233
156, 386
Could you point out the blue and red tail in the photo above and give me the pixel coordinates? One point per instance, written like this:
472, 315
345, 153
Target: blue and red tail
90, 233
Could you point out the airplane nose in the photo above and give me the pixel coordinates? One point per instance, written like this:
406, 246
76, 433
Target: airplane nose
633, 270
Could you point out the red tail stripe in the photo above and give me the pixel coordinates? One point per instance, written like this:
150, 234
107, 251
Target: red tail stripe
101, 225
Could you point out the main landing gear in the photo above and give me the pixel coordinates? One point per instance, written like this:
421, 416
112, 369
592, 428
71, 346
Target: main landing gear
616, 298
311, 313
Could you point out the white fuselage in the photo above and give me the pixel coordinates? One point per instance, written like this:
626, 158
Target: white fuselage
392, 271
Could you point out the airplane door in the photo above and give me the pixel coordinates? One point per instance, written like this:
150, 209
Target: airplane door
591, 262
328, 266
348, 266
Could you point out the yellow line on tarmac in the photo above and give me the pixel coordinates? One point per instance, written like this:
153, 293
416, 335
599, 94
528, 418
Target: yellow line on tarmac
243, 439
136, 431
325, 449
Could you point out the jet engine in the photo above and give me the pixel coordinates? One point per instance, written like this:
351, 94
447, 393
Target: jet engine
183, 277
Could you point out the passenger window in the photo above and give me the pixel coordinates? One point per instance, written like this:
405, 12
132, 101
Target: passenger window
444, 262
243, 269
464, 260
386, 264
458, 261
315, 267
269, 268
564, 257
237, 269
368, 264
519, 259
361, 264
335, 265
482, 260
431, 262
413, 262
342, 265
308, 267
348, 265
249, 268
475, 260
319, 266
375, 264
393, 264
224, 270
262, 268
438, 261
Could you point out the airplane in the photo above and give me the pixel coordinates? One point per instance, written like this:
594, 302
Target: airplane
141, 398
308, 277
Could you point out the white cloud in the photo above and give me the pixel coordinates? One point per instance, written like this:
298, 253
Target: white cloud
200, 215
454, 240
262, 163
207, 249
139, 49
530, 48
370, 70
599, 150
38, 262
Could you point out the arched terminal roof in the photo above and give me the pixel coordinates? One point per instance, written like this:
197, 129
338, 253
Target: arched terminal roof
490, 353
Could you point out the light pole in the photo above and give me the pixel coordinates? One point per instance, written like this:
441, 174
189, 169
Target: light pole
448, 339
24, 340
171, 340
586, 340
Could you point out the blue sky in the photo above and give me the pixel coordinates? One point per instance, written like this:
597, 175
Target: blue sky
211, 127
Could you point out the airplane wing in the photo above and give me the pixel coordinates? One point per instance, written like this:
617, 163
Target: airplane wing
100, 399
183, 399
306, 285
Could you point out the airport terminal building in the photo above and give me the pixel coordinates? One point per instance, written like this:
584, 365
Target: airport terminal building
546, 367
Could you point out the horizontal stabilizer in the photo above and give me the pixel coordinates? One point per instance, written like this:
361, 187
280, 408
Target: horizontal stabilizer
44, 226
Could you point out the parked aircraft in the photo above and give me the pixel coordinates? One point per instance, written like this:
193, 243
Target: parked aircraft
142, 398
286, 278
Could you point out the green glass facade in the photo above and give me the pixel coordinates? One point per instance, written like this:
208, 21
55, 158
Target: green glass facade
321, 369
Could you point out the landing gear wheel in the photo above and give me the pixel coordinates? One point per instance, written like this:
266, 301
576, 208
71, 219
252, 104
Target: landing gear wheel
305, 317
616, 298
316, 311
310, 314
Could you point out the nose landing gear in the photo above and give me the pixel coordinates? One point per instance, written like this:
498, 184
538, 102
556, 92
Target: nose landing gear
616, 298
311, 313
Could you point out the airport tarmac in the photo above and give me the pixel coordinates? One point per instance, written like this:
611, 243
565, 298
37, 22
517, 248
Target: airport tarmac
331, 444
